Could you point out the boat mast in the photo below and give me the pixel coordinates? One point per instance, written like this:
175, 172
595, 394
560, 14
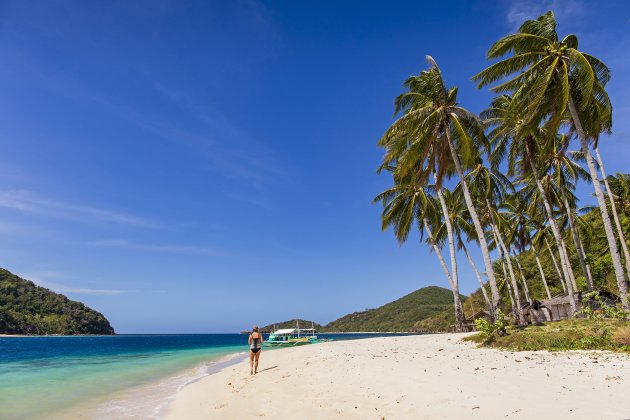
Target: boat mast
312, 329
297, 322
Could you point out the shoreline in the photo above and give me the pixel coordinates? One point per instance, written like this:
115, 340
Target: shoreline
147, 400
415, 376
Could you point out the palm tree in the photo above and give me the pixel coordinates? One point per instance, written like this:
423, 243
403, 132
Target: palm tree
552, 77
404, 205
597, 120
564, 172
488, 186
462, 227
510, 137
447, 225
435, 131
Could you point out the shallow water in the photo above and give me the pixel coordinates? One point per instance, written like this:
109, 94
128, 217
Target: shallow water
40, 376
108, 377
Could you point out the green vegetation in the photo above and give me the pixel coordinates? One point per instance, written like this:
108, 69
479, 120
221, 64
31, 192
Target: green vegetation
574, 334
26, 308
515, 176
400, 315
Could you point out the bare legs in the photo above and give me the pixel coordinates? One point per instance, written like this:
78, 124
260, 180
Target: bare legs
256, 356
253, 362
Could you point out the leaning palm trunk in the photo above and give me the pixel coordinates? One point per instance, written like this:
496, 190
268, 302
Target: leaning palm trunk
494, 290
622, 236
457, 303
612, 242
507, 283
479, 279
520, 270
459, 315
588, 267
518, 310
564, 260
555, 264
565, 254
542, 272
505, 258
576, 242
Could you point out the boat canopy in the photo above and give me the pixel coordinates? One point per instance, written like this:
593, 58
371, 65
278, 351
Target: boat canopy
286, 331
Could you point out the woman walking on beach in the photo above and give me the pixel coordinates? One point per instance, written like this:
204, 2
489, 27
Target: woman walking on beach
255, 344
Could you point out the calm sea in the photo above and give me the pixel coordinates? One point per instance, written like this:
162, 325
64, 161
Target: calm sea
109, 377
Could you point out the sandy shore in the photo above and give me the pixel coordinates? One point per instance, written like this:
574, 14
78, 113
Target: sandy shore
428, 377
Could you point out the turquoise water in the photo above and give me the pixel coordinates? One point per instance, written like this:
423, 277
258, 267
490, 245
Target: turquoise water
41, 376
108, 377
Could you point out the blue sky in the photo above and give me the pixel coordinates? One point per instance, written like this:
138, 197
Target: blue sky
205, 166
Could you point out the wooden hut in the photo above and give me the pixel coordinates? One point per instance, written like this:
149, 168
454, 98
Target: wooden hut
469, 324
535, 312
560, 308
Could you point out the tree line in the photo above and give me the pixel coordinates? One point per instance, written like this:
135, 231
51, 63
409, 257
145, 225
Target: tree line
516, 175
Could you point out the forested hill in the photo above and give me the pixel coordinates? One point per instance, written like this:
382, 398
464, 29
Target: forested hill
399, 315
26, 308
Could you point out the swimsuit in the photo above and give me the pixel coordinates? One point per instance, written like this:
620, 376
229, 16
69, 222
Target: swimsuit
255, 347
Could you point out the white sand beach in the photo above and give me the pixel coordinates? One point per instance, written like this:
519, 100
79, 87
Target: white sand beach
412, 377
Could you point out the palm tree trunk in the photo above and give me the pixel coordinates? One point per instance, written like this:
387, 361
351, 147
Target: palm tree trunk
576, 242
612, 242
505, 257
459, 316
588, 267
555, 264
542, 272
518, 310
565, 255
622, 236
496, 298
479, 279
507, 284
457, 303
520, 270
554, 230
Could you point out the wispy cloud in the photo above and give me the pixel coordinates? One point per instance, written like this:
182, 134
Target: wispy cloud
521, 10
166, 248
41, 278
29, 202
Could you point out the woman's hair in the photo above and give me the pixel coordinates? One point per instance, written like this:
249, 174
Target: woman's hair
255, 328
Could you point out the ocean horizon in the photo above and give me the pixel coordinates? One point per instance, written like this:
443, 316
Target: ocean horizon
108, 377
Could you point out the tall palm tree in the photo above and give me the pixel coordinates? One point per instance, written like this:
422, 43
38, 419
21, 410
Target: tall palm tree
463, 232
554, 77
435, 131
446, 225
407, 204
512, 138
487, 186
564, 172
596, 120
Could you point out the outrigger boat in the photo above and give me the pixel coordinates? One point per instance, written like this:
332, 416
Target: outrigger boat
290, 337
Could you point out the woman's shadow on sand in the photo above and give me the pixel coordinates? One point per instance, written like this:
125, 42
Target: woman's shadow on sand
269, 368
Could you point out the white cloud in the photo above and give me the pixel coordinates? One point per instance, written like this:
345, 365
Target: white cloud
167, 248
41, 279
29, 202
521, 10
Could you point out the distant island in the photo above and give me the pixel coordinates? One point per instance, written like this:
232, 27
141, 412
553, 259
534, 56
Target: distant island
426, 310
28, 309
